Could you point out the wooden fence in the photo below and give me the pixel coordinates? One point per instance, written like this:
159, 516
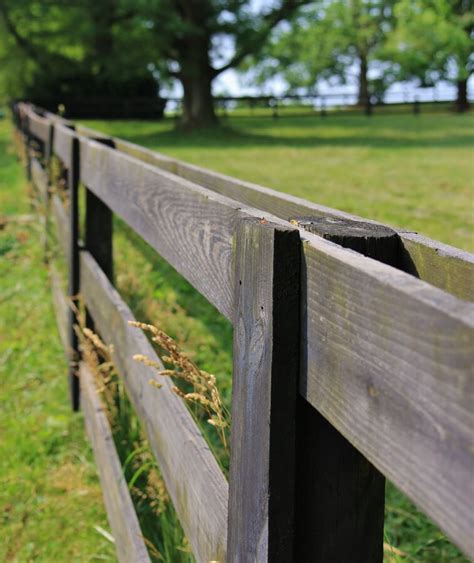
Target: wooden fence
353, 354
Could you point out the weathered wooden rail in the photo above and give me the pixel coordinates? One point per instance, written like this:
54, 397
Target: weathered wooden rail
353, 354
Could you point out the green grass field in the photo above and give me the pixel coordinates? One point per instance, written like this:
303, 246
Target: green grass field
411, 172
50, 499
407, 171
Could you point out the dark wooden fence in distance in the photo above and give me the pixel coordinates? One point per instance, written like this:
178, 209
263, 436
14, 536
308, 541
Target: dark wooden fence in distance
353, 354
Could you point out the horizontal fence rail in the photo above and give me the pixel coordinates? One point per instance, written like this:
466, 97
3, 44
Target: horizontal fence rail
439, 264
123, 519
194, 481
385, 350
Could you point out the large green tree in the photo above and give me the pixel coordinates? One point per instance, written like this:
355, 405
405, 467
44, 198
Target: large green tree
102, 44
434, 40
200, 39
330, 39
88, 47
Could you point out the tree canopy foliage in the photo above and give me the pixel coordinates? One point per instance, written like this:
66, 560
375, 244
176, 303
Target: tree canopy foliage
426, 40
434, 40
85, 47
329, 41
124, 47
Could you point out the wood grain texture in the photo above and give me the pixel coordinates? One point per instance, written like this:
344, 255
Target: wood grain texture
62, 143
146, 155
191, 227
340, 495
120, 510
193, 479
264, 392
390, 364
61, 220
439, 264
40, 179
60, 307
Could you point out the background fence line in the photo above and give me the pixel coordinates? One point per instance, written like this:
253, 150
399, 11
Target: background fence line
411, 100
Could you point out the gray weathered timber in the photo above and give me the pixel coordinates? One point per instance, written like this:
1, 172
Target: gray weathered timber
146, 155
58, 120
38, 126
390, 365
62, 143
328, 466
193, 479
191, 227
264, 392
441, 265
141, 153
40, 179
120, 510
60, 307
61, 219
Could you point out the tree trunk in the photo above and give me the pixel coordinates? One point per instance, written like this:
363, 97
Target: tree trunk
462, 103
198, 104
363, 98
196, 77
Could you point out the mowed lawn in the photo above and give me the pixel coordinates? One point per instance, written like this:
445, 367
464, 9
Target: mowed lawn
51, 507
414, 172
411, 172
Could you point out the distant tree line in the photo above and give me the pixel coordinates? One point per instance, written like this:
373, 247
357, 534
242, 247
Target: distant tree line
423, 40
131, 47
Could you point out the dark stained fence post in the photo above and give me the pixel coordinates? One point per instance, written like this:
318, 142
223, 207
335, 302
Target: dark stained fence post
98, 233
416, 106
49, 167
340, 496
49, 151
323, 112
27, 135
99, 227
266, 356
275, 108
73, 286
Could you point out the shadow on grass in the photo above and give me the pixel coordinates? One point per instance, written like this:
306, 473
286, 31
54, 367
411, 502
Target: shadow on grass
387, 132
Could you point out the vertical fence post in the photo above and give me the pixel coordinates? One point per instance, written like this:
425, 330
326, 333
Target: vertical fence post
368, 106
73, 286
340, 495
266, 356
416, 106
323, 107
49, 151
27, 136
99, 227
